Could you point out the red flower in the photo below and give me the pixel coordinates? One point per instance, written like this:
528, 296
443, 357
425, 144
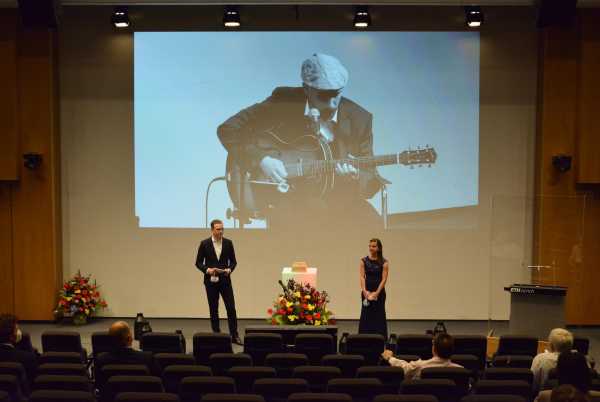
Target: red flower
317, 315
281, 311
309, 317
270, 311
289, 310
273, 321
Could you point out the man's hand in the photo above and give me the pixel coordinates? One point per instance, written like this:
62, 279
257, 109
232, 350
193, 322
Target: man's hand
227, 271
274, 169
387, 354
346, 169
211, 271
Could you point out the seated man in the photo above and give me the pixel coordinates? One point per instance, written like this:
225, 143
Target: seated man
560, 341
124, 353
10, 336
442, 348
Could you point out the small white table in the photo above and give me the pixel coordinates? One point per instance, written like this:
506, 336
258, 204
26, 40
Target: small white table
308, 275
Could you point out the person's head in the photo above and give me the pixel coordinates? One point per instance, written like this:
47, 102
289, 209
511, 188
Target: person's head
443, 345
568, 393
9, 329
121, 333
323, 77
560, 340
216, 228
572, 368
376, 249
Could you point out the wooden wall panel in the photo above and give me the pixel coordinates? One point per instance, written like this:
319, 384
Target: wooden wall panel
7, 304
36, 206
9, 145
588, 156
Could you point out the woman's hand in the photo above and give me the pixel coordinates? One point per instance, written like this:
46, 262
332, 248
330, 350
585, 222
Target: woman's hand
365, 294
373, 296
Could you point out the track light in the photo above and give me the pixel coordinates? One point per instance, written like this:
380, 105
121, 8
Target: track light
362, 19
120, 17
231, 17
474, 16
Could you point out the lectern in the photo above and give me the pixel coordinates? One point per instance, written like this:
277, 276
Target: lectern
536, 309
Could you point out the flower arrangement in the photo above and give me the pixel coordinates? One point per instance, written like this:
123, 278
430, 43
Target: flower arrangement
79, 298
300, 304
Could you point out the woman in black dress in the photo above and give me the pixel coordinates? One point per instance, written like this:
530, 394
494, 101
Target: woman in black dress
373, 276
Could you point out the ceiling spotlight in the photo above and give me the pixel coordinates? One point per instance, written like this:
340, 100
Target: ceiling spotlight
120, 17
231, 17
474, 16
362, 19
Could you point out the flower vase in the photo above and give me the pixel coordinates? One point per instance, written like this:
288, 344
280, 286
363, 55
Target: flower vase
80, 319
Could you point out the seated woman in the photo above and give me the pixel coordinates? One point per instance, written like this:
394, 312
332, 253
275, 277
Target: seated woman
572, 369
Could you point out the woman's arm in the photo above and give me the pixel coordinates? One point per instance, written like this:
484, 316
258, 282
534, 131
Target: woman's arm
384, 276
361, 273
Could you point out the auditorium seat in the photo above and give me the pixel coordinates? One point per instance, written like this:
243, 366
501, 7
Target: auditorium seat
504, 387
582, 345
232, 398
164, 360
207, 343
443, 389
405, 398
513, 361
16, 369
146, 397
63, 369
284, 363
470, 362
244, 377
51, 395
221, 362
517, 345
348, 364
130, 383
63, 341
162, 342
193, 388
475, 345
360, 389
4, 397
460, 376
278, 389
493, 398
10, 384
314, 346
259, 345
60, 357
414, 344
391, 377
102, 342
62, 382
508, 373
369, 346
317, 377
172, 375
110, 370
319, 397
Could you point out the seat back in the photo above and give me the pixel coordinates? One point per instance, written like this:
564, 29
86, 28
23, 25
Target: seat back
360, 389
16, 369
110, 370
582, 345
414, 344
517, 345
220, 363
102, 342
62, 382
130, 383
63, 369
164, 360
502, 373
259, 345
503, 387
475, 345
278, 389
232, 398
10, 384
470, 362
284, 363
193, 388
369, 346
244, 377
162, 342
348, 364
514, 361
172, 375
61, 341
405, 398
51, 395
146, 397
493, 398
443, 389
314, 346
317, 377
207, 343
319, 397
459, 375
391, 377
60, 357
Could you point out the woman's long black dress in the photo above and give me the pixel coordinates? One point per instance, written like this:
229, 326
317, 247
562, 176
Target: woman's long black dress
372, 317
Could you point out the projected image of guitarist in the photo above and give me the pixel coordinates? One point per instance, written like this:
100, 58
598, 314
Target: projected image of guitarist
306, 153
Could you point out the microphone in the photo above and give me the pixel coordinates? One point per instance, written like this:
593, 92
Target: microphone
315, 116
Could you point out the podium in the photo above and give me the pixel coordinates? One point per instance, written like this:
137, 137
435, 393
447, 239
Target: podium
536, 309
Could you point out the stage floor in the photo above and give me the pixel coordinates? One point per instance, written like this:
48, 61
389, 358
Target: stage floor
191, 326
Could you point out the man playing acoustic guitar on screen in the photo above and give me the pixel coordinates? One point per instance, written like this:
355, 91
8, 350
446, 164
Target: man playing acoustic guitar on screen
305, 154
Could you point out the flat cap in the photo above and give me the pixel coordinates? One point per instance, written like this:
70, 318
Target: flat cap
324, 72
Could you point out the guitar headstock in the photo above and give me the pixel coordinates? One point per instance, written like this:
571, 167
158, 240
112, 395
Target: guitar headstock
419, 156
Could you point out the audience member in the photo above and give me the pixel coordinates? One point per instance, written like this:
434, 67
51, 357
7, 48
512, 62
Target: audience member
572, 369
560, 341
442, 348
10, 336
568, 393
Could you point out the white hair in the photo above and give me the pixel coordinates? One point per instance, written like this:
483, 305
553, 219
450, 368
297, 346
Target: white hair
560, 340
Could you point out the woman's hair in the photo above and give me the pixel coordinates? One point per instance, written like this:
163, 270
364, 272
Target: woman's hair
379, 249
572, 368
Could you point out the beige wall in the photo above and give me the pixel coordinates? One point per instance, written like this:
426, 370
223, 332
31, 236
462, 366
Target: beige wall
435, 273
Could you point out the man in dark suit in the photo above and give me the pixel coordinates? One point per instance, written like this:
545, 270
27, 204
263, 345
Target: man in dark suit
124, 353
317, 108
10, 336
216, 260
